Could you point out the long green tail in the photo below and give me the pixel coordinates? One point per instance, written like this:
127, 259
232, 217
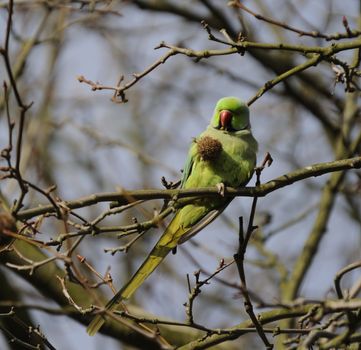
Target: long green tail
166, 243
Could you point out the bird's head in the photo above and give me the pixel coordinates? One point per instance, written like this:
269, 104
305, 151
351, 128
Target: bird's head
230, 114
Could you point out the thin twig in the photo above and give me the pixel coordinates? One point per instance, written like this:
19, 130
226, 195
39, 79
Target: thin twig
239, 47
70, 299
240, 255
196, 290
23, 109
314, 34
341, 273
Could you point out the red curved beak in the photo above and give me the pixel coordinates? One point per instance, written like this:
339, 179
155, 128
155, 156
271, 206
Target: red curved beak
225, 119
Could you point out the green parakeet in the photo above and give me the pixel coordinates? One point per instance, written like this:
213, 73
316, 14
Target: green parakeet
225, 153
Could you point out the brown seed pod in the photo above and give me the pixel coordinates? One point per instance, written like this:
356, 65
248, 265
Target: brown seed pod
208, 148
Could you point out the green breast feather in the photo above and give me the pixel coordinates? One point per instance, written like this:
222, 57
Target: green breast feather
233, 165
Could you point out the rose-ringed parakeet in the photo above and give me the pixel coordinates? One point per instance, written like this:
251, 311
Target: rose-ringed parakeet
225, 153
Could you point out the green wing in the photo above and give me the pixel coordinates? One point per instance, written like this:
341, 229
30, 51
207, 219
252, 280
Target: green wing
188, 166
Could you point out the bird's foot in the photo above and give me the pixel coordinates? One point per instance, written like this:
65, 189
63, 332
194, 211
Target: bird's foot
221, 188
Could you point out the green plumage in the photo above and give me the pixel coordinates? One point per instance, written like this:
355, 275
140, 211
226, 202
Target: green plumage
224, 153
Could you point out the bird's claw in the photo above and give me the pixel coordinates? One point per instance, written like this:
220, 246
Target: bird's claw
221, 188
